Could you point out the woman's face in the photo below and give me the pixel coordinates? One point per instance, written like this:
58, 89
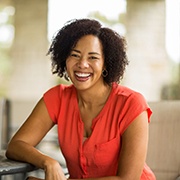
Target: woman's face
85, 63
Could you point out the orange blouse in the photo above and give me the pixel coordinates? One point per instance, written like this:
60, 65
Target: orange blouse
96, 156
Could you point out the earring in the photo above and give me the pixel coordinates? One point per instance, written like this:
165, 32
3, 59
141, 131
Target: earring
104, 73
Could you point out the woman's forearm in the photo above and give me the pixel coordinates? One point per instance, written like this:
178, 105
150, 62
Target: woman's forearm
21, 151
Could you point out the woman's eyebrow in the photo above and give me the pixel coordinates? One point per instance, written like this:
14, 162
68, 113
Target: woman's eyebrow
76, 50
94, 53
90, 53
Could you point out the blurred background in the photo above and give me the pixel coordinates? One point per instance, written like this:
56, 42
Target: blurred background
151, 27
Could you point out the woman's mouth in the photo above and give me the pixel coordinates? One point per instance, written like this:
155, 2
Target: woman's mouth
82, 76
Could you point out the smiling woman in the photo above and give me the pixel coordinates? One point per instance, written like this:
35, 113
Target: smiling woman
102, 125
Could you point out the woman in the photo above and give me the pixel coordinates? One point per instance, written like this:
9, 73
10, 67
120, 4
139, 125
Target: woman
102, 126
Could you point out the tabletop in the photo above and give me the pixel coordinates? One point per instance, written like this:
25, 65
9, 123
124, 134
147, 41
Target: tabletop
8, 166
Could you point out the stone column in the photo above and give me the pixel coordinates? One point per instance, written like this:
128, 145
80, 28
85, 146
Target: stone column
149, 67
31, 71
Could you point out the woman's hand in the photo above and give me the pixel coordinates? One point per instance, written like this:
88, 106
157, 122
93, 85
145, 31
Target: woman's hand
53, 170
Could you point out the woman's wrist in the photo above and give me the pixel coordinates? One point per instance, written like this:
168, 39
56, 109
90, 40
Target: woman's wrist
48, 162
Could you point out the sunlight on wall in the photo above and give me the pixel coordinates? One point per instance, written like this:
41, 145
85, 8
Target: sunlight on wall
59, 13
173, 29
6, 28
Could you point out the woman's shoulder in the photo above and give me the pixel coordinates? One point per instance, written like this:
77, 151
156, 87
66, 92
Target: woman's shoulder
59, 92
60, 88
125, 92
126, 96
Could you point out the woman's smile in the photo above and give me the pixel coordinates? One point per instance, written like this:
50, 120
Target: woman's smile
81, 76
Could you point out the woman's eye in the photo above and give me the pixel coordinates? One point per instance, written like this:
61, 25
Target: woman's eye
75, 55
93, 57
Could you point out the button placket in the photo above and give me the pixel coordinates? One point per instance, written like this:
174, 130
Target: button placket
84, 164
83, 160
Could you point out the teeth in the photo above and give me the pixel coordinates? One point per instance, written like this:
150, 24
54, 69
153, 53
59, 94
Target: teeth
82, 74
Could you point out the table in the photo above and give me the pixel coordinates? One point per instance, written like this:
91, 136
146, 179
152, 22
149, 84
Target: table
8, 167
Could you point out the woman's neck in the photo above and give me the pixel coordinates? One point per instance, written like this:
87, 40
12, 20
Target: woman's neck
93, 98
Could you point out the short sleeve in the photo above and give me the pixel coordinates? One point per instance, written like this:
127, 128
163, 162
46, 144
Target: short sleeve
52, 102
134, 106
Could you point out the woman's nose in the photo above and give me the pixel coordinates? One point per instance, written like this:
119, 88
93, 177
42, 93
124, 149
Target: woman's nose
83, 63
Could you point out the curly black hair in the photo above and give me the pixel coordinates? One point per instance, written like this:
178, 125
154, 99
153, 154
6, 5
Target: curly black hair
114, 47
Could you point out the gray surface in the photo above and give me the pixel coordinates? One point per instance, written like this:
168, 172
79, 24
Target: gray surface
11, 167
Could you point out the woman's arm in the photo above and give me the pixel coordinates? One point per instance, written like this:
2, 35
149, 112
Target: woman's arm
134, 148
22, 145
